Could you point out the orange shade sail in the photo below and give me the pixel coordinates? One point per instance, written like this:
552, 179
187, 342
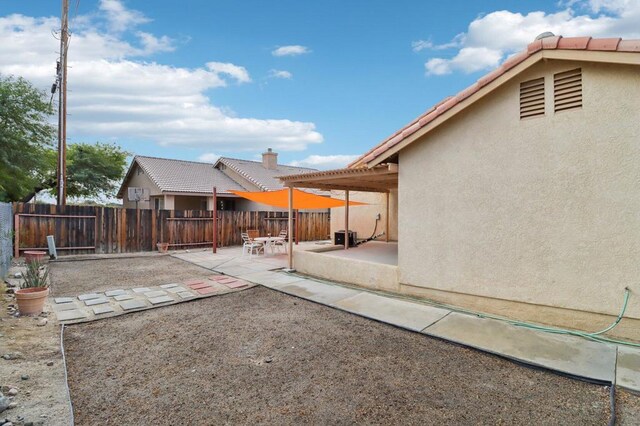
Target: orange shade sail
301, 200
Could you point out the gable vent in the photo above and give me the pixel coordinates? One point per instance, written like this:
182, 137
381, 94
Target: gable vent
532, 98
567, 90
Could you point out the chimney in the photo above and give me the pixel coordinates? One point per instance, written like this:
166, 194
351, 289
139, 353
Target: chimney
270, 159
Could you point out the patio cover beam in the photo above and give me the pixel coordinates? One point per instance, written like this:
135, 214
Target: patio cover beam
382, 178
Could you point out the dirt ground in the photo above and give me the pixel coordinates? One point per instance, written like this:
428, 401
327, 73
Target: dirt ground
34, 352
260, 356
70, 278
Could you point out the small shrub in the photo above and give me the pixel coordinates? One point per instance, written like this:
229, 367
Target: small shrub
37, 275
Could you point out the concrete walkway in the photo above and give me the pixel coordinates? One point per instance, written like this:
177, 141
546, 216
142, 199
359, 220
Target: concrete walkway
571, 355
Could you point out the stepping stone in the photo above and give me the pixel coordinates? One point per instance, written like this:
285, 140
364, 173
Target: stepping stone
185, 295
63, 299
197, 286
122, 297
236, 284
99, 301
103, 310
64, 307
127, 305
73, 314
112, 293
206, 290
176, 290
89, 296
217, 277
141, 290
161, 299
165, 286
191, 282
156, 293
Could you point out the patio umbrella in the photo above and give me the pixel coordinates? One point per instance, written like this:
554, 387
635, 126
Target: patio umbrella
301, 200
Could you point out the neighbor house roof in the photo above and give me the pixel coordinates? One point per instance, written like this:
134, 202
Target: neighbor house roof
256, 173
556, 47
182, 176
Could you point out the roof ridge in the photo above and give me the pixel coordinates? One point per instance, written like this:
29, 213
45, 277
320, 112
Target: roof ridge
243, 174
260, 162
613, 44
172, 159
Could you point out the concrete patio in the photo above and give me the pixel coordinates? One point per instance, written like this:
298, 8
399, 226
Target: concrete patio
600, 362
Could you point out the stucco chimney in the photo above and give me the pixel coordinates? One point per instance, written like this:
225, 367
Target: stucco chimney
270, 159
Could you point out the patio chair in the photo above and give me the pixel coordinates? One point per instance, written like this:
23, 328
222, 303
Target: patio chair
253, 233
249, 245
283, 243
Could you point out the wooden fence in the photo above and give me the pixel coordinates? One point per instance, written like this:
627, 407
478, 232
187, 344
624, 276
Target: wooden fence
89, 229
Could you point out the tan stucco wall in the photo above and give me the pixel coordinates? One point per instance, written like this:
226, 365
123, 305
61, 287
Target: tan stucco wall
362, 219
139, 179
186, 202
543, 211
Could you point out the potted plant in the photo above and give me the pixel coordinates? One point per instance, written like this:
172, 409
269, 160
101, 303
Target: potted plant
34, 289
163, 247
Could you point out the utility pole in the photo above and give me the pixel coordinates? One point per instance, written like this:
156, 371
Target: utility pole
62, 105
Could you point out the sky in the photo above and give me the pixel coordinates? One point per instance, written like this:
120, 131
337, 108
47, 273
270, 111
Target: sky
319, 82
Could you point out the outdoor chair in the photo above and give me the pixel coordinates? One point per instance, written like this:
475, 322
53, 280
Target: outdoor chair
283, 243
249, 245
253, 233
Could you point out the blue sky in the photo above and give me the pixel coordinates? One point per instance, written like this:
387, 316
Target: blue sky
314, 80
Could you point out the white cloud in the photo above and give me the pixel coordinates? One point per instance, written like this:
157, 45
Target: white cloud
293, 50
116, 92
280, 74
237, 72
208, 157
491, 38
325, 162
119, 18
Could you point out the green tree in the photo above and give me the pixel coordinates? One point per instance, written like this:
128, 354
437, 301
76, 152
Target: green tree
28, 156
25, 138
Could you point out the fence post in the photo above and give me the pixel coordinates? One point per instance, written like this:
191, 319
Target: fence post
16, 232
215, 220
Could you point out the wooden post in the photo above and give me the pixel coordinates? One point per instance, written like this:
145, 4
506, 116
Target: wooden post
297, 226
346, 219
137, 227
154, 232
16, 232
290, 228
387, 220
215, 220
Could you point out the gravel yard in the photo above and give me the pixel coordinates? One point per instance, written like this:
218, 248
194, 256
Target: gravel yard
70, 278
259, 356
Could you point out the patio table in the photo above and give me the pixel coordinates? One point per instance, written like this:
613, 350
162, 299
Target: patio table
268, 242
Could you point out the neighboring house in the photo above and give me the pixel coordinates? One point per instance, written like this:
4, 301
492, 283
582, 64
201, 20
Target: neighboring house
520, 195
188, 185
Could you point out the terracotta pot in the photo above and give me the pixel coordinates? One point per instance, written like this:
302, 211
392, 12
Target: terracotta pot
32, 256
31, 300
163, 247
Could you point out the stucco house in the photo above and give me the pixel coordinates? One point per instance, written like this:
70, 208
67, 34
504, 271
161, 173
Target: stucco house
518, 196
188, 185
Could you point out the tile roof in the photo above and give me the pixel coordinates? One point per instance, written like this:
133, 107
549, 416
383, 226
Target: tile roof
256, 173
185, 176
547, 43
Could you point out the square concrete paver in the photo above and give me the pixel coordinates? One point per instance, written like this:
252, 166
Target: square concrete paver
63, 299
319, 292
199, 285
185, 295
193, 282
89, 296
160, 299
141, 290
206, 290
234, 284
72, 314
98, 301
166, 286
156, 293
411, 315
569, 354
122, 297
112, 293
176, 289
64, 307
628, 368
104, 309
127, 305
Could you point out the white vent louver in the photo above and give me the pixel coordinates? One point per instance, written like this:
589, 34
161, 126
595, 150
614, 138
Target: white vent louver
567, 90
532, 98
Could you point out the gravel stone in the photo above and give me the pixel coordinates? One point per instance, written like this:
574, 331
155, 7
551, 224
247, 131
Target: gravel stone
12, 392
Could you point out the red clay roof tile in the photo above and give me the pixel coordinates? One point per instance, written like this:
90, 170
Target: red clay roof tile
548, 43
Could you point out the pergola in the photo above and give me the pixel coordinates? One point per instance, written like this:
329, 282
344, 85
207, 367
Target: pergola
382, 179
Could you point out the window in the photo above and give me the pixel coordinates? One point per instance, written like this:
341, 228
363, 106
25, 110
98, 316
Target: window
567, 90
532, 98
